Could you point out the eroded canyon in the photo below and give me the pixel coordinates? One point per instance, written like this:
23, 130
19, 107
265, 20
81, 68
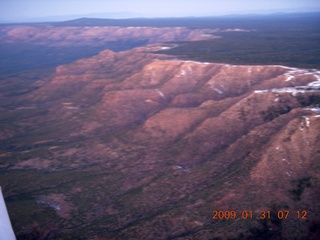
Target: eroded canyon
141, 145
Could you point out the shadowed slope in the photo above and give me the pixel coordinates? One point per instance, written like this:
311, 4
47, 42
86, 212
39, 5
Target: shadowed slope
146, 146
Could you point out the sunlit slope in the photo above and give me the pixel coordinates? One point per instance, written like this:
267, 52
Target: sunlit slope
137, 145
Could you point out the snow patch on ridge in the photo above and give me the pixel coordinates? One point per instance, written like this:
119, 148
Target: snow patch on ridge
292, 74
307, 120
195, 62
315, 109
188, 61
295, 72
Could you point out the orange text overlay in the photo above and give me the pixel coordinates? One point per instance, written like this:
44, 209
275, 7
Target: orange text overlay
261, 214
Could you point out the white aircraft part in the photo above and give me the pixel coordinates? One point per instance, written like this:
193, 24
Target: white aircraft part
6, 231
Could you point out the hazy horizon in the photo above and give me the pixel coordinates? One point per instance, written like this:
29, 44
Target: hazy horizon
36, 10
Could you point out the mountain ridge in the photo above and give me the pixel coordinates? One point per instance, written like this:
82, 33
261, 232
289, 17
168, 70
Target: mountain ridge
137, 144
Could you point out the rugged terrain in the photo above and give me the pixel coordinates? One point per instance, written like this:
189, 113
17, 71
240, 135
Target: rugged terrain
141, 145
98, 35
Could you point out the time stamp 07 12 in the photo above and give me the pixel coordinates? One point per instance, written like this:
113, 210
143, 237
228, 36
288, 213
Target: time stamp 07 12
261, 214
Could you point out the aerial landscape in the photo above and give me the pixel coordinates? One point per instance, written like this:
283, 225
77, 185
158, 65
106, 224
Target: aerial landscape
154, 124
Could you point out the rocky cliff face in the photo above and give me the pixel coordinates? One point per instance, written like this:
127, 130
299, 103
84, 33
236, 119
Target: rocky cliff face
147, 146
64, 36
138, 86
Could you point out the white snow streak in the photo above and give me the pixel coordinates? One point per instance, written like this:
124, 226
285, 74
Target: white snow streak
315, 109
292, 74
217, 90
307, 120
160, 93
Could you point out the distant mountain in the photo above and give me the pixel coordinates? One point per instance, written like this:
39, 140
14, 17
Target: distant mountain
89, 21
131, 15
56, 36
108, 15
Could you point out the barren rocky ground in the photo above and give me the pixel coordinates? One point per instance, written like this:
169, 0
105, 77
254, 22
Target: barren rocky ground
141, 145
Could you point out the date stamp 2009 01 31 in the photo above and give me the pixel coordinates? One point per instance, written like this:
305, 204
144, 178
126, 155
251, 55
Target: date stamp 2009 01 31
261, 214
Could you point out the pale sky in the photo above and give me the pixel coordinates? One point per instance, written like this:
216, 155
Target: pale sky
17, 10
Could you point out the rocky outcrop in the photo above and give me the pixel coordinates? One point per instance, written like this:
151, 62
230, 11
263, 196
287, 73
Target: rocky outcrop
146, 144
95, 36
126, 88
